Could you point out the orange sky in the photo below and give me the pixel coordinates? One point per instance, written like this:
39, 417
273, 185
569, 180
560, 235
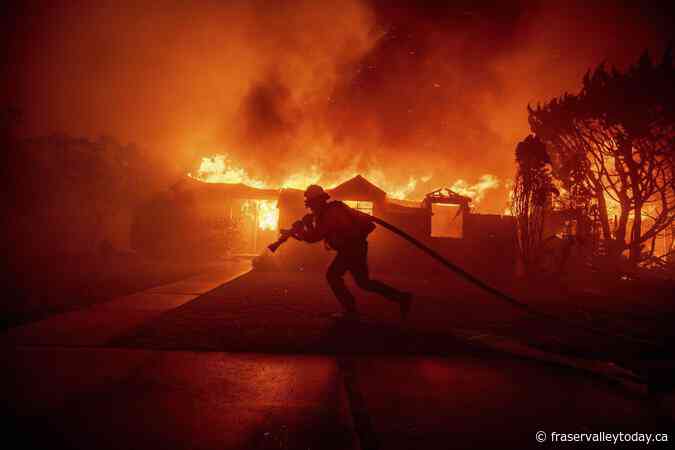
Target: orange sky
410, 89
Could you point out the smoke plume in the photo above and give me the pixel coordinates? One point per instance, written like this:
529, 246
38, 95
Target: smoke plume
426, 93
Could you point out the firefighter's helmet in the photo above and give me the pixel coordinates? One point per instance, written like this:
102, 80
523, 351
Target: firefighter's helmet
315, 192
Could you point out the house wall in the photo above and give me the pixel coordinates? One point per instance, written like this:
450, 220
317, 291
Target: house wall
487, 248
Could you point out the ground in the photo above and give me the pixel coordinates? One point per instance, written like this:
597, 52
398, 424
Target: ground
237, 359
37, 287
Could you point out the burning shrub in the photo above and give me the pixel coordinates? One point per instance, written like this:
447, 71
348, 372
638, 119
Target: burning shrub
531, 197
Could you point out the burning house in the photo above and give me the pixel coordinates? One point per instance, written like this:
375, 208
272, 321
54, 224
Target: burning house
197, 217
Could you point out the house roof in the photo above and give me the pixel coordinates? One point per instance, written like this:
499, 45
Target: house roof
226, 190
445, 195
358, 188
404, 203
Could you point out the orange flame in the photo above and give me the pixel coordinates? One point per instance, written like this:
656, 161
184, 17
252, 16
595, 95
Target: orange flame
268, 214
221, 169
476, 192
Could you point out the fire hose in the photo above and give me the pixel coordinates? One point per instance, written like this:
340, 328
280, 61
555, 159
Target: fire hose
288, 233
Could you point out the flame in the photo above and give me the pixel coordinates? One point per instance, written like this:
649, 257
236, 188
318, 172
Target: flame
476, 192
268, 214
302, 180
221, 168
393, 190
264, 212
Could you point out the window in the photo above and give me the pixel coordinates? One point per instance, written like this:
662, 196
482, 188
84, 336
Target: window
446, 220
366, 207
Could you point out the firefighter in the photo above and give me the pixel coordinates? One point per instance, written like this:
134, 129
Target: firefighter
345, 230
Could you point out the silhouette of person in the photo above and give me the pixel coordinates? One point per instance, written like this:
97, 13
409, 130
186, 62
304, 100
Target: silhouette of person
345, 230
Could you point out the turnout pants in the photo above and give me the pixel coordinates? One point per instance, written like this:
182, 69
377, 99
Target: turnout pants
354, 259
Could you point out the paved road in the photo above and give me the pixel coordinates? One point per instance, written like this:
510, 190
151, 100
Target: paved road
166, 369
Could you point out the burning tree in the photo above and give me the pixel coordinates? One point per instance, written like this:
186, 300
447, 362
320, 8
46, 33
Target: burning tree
531, 197
612, 145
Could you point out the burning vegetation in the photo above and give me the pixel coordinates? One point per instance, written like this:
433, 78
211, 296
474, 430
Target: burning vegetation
603, 163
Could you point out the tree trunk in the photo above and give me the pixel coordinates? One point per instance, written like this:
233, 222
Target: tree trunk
636, 232
602, 213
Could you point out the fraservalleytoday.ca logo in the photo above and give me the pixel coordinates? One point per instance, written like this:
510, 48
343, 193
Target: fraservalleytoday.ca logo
603, 437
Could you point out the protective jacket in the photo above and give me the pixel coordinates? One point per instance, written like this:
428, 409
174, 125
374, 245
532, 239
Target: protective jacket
339, 226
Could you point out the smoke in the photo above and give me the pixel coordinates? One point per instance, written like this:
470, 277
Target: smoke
432, 92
